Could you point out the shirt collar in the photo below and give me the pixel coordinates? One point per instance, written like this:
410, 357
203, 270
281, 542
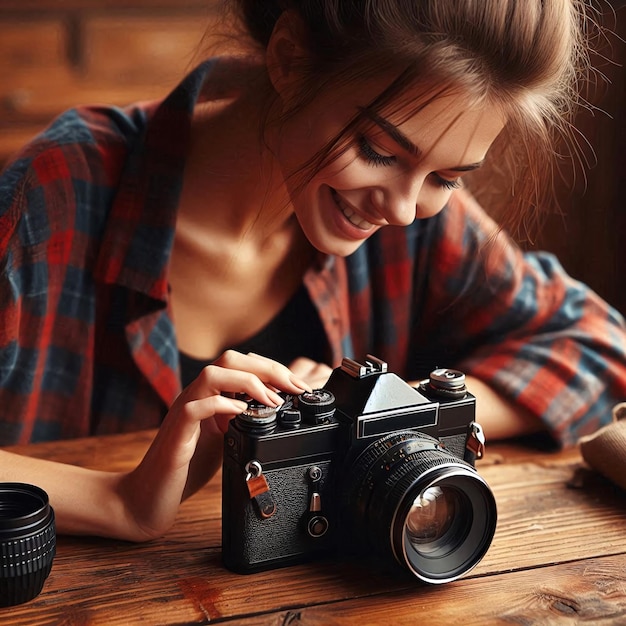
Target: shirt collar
137, 242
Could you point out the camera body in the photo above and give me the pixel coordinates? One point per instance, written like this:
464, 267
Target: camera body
359, 464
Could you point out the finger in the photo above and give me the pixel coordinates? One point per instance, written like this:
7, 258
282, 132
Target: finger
215, 380
269, 371
277, 372
221, 422
176, 440
207, 407
214, 411
314, 373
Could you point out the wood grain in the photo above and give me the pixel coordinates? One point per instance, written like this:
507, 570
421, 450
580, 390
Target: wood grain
57, 54
557, 558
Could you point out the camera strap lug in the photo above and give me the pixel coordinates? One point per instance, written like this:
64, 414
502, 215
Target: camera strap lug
475, 446
259, 490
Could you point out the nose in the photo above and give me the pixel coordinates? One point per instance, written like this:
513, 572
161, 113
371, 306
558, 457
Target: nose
397, 200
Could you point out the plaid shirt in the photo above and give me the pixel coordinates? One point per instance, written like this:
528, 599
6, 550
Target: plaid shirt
87, 342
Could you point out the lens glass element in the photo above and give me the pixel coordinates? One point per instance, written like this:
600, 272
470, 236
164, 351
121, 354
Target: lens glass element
437, 520
430, 521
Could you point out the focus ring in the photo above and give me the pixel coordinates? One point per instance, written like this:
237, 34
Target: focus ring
24, 556
27, 542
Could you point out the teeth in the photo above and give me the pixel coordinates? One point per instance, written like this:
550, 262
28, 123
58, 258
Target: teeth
353, 218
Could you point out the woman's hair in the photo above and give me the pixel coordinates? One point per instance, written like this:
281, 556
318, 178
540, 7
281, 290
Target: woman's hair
530, 58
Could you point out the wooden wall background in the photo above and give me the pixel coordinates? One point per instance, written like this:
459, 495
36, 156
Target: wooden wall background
58, 53
55, 54
590, 237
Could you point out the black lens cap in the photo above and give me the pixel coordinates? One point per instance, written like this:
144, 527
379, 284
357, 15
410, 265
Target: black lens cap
27, 542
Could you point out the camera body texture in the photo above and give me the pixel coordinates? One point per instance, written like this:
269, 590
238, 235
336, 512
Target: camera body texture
368, 464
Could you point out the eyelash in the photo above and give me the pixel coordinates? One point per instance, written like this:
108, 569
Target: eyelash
447, 184
376, 159
371, 156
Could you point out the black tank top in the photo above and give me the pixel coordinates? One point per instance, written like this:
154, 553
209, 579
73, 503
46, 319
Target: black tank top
296, 331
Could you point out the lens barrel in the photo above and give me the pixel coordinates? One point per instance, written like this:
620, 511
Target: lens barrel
412, 500
27, 542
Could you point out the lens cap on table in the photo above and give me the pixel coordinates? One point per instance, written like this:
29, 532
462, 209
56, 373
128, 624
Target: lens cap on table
27, 542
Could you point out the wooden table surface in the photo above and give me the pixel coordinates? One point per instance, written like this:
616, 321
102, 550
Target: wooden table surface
558, 557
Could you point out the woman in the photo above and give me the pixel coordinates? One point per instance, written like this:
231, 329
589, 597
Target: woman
304, 202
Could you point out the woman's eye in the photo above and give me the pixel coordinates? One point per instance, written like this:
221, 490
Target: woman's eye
371, 156
445, 183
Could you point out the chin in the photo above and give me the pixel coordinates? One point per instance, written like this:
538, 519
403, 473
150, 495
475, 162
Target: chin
340, 248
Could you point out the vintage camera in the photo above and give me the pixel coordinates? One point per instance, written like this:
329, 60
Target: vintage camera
368, 464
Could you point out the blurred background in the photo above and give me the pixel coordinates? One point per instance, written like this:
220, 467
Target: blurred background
55, 54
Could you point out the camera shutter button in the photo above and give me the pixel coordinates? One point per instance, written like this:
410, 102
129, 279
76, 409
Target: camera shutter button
316, 406
447, 383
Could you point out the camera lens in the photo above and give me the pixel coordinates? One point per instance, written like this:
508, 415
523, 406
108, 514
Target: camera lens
422, 506
27, 542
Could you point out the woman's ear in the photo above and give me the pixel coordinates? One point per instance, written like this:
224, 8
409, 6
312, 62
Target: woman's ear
286, 52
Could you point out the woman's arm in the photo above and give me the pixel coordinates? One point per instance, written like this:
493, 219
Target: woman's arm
141, 504
517, 322
499, 416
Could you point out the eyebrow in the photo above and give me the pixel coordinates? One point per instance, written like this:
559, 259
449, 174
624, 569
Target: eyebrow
469, 167
393, 131
401, 139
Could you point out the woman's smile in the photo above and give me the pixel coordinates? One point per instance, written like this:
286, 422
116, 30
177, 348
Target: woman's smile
350, 213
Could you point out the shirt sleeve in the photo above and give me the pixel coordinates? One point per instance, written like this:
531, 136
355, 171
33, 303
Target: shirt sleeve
53, 196
520, 323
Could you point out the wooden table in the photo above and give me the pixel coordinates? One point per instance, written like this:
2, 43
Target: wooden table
558, 557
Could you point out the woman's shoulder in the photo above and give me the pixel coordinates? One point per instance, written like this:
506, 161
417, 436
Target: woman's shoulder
83, 148
80, 137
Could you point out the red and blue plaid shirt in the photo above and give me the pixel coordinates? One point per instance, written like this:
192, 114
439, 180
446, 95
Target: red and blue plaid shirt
88, 345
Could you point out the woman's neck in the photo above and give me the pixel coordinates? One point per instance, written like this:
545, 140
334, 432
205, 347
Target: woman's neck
239, 254
232, 184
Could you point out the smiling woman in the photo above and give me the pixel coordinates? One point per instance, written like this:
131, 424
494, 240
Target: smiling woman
522, 60
283, 208
388, 173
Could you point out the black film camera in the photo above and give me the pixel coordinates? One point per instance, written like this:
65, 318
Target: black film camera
369, 464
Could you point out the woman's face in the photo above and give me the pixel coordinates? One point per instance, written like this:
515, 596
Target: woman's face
396, 168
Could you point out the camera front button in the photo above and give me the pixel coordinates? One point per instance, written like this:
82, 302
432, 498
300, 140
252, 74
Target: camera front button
317, 524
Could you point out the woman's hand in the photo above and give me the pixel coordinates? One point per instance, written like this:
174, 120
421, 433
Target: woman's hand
313, 373
187, 449
142, 504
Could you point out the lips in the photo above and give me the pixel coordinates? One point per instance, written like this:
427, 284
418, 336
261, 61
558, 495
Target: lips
350, 214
